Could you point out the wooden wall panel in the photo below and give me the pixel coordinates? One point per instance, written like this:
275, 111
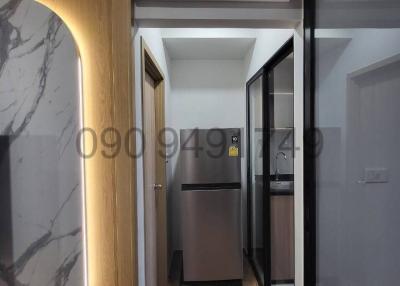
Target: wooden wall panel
102, 32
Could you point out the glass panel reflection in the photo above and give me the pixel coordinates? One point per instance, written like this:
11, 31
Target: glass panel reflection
281, 97
256, 176
357, 100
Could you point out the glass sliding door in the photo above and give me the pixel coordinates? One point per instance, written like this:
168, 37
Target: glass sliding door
356, 200
281, 191
270, 169
256, 174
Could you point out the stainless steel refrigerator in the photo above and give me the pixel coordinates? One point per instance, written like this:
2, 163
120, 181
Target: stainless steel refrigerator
211, 204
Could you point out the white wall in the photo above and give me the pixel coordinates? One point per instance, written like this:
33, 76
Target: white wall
152, 37
268, 42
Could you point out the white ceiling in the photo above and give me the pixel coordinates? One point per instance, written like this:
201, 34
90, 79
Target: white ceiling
208, 48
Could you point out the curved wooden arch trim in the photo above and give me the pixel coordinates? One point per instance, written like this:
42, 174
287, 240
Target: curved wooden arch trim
102, 30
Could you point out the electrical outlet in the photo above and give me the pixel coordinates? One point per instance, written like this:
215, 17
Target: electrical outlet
376, 175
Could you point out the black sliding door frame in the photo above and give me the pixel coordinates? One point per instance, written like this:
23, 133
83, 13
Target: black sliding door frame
309, 163
257, 76
263, 72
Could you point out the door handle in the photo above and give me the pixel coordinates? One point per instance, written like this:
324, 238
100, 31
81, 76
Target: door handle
157, 187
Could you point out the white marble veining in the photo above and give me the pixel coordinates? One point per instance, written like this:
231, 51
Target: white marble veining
40, 184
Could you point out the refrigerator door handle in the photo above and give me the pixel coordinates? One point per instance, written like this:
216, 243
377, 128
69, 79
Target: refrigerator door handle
157, 187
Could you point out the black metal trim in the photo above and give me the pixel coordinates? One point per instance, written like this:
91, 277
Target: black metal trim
274, 193
255, 77
266, 173
282, 177
235, 282
249, 180
253, 265
282, 53
248, 173
309, 146
283, 281
212, 186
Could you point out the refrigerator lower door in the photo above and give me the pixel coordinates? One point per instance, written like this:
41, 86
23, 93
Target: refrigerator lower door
212, 237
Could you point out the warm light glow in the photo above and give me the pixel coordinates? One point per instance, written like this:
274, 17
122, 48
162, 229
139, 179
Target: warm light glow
109, 253
89, 265
76, 33
83, 181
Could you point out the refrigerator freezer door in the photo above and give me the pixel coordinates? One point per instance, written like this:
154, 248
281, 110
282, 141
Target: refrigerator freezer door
212, 246
210, 156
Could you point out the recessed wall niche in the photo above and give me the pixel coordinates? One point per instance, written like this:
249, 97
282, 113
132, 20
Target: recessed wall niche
41, 189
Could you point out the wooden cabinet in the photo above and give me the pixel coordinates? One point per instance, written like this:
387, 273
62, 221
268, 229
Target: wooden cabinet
282, 237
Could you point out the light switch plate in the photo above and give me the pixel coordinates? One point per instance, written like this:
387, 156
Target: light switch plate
376, 175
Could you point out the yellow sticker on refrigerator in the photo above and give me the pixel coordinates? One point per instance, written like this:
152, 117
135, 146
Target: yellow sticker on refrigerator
233, 151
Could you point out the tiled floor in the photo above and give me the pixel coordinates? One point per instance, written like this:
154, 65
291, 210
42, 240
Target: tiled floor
176, 274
